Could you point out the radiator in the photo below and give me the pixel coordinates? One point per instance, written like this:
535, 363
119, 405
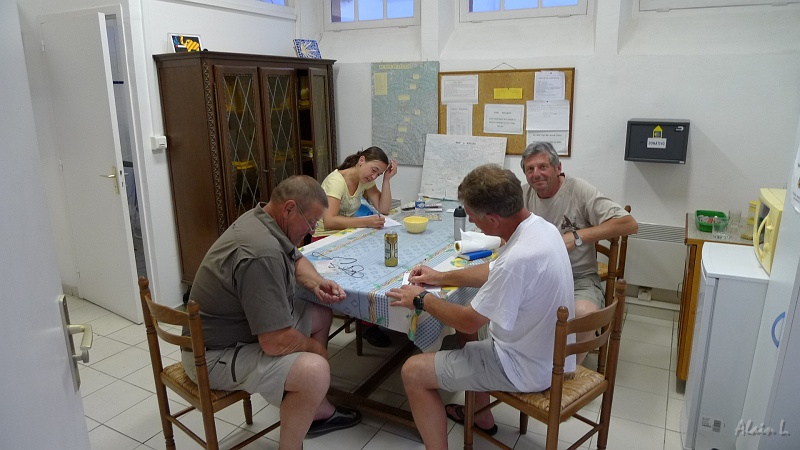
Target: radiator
656, 256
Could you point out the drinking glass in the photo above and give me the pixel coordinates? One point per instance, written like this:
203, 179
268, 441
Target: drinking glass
734, 220
720, 228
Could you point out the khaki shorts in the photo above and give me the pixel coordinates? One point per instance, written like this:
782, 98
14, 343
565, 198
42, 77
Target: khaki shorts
589, 288
476, 367
246, 367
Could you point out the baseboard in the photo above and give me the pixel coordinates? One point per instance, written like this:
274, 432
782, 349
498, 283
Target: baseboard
69, 290
652, 308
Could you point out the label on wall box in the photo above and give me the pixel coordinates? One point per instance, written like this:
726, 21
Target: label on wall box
656, 143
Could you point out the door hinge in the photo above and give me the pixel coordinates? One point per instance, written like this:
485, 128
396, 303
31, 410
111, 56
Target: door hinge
42, 45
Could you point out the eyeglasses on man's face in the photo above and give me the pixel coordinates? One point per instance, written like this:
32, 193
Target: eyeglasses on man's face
311, 226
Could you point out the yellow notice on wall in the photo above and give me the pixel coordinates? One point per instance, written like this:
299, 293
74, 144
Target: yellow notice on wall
508, 93
381, 83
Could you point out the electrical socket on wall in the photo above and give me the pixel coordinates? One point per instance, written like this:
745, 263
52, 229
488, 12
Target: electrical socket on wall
644, 293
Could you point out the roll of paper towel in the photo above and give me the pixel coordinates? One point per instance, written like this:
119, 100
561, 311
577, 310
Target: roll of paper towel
472, 241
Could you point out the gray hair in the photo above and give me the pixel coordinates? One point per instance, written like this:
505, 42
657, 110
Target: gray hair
302, 189
534, 148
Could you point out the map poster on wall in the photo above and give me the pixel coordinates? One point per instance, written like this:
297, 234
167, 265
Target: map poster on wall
449, 158
404, 108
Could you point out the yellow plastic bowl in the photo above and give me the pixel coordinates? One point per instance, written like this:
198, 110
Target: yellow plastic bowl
415, 224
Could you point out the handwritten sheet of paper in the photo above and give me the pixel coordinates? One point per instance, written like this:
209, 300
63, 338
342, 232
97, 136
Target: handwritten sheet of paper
548, 115
459, 119
460, 89
549, 85
503, 119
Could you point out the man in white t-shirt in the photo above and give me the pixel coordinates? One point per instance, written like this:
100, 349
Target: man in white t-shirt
582, 215
519, 295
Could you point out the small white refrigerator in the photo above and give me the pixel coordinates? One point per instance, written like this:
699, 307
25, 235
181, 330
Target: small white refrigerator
727, 319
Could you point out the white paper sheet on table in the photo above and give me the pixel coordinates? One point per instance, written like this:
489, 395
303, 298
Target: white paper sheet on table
389, 222
472, 241
435, 290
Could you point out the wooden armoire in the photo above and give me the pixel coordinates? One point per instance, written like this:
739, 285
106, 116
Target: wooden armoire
236, 126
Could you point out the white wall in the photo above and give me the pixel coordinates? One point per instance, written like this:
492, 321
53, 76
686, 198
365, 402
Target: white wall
147, 25
731, 72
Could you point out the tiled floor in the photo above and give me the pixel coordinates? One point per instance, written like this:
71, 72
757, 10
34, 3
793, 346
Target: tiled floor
122, 412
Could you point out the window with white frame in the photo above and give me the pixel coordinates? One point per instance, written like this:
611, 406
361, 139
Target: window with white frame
666, 5
274, 8
480, 10
355, 14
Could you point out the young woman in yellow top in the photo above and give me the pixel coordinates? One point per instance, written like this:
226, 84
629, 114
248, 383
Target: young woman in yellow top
352, 180
345, 186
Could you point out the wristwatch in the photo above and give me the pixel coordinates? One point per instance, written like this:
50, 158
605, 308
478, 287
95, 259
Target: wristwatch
419, 300
578, 241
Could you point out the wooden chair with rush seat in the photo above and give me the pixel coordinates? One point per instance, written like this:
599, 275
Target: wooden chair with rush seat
199, 395
615, 251
568, 393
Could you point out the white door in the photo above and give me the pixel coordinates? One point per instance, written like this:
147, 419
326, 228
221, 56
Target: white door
40, 408
85, 125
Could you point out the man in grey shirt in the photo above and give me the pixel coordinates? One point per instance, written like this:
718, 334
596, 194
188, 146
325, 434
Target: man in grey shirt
259, 336
582, 214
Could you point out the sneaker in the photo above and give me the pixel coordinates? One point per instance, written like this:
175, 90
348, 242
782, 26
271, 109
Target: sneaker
342, 418
376, 337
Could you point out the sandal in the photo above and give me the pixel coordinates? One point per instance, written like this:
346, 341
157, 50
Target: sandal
458, 417
340, 419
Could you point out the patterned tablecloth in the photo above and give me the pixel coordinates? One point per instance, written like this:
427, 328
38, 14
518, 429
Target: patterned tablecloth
355, 259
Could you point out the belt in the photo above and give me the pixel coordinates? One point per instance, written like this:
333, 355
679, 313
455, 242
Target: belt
187, 349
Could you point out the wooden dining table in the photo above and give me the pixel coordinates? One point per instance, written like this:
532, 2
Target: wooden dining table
354, 258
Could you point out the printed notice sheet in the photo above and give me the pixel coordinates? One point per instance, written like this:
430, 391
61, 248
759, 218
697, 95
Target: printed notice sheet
503, 119
549, 85
460, 89
459, 119
449, 158
559, 139
548, 115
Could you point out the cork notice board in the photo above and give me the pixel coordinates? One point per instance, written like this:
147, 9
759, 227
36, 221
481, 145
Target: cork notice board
509, 87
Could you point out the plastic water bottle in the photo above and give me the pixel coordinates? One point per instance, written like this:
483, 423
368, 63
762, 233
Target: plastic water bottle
419, 206
459, 222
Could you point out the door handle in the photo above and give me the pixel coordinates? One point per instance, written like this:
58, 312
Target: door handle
86, 341
113, 177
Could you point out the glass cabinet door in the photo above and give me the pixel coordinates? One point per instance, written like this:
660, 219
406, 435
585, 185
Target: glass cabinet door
279, 86
320, 122
240, 137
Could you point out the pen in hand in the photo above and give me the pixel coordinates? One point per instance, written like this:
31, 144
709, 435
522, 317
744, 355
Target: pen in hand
417, 270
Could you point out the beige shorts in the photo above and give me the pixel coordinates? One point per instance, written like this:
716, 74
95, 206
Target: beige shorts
246, 367
589, 288
475, 367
